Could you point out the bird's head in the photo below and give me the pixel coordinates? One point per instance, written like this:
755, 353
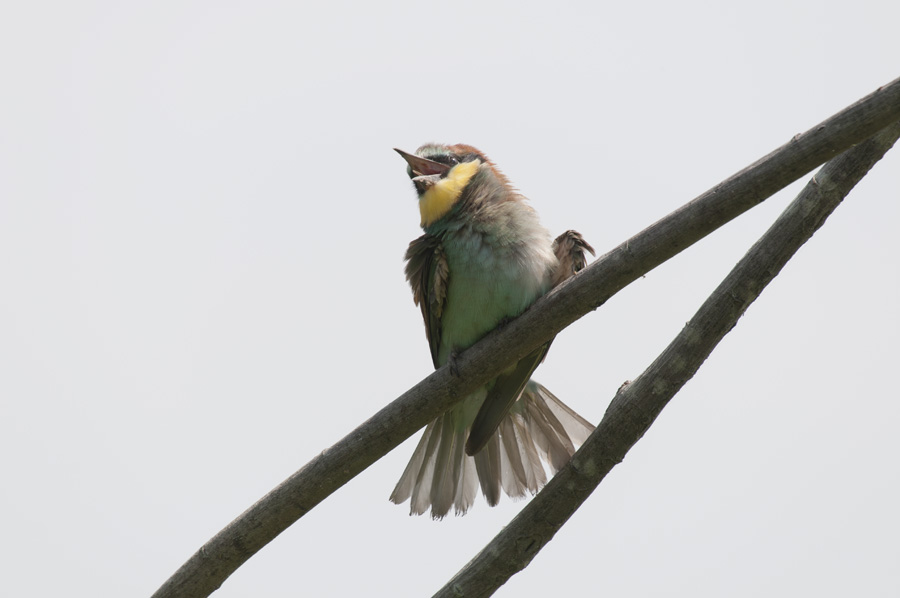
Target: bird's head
442, 173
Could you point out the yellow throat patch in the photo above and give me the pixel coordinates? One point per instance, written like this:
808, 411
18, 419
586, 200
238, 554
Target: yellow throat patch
438, 200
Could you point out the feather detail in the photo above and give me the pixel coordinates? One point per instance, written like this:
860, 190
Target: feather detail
439, 475
570, 248
538, 435
506, 389
429, 276
490, 473
557, 430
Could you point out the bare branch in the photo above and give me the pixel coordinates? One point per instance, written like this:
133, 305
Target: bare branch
637, 405
257, 526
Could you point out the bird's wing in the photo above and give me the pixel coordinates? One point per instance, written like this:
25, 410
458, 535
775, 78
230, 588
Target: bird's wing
570, 248
500, 399
428, 274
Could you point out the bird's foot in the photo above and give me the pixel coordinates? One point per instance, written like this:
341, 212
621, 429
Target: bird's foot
504, 322
452, 364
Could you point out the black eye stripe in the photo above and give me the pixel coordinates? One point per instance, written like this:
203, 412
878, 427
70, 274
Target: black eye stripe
444, 159
452, 159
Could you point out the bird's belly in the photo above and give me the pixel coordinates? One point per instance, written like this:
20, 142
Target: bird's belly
482, 292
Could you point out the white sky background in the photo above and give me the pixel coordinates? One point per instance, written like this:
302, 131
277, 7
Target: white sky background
202, 226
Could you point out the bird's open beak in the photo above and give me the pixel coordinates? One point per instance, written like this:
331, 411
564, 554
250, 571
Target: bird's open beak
423, 166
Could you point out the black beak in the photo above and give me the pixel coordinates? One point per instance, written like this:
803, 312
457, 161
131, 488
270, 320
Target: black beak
422, 166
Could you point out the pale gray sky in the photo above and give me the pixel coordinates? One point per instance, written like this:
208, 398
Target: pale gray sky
202, 226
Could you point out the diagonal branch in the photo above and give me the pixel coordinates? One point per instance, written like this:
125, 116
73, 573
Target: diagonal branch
637, 405
261, 523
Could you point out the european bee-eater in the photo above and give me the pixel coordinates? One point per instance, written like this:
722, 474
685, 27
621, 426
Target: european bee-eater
484, 258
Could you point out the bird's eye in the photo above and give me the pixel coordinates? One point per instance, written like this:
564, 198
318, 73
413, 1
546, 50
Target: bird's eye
453, 160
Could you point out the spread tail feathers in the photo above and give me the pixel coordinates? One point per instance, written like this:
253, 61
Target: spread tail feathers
539, 429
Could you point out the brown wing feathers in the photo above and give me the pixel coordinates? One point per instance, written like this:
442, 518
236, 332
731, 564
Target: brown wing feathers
428, 275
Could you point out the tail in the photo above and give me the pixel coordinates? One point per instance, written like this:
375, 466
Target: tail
539, 430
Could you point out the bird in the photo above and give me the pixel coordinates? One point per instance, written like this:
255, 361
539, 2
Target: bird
483, 259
